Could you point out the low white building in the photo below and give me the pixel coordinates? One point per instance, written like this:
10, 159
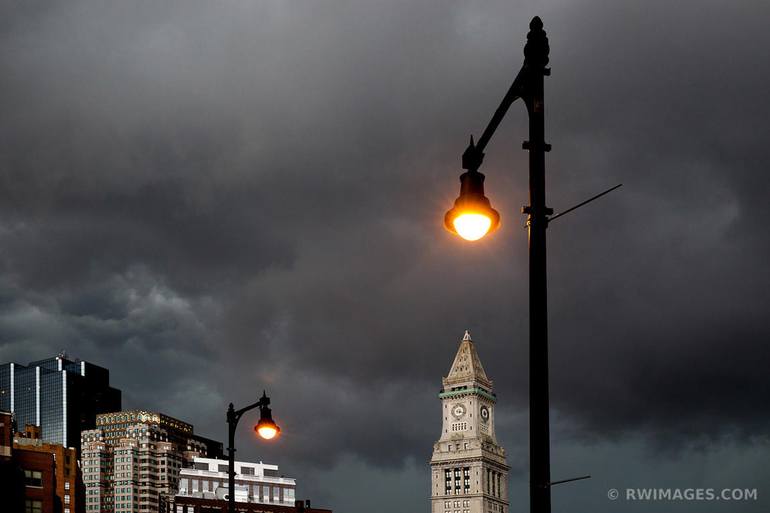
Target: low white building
254, 482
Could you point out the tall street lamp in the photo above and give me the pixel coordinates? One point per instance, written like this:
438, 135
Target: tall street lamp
265, 428
473, 217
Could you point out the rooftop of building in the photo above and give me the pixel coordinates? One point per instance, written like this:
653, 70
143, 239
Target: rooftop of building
141, 417
242, 468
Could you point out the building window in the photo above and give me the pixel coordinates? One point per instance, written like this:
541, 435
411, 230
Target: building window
33, 478
33, 507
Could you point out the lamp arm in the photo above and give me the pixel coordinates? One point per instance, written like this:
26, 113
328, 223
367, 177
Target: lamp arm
258, 404
474, 154
535, 60
233, 415
515, 92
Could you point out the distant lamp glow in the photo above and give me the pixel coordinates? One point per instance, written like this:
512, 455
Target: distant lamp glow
266, 427
472, 217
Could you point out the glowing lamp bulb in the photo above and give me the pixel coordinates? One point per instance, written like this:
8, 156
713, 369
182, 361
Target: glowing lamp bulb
267, 429
267, 432
472, 216
472, 226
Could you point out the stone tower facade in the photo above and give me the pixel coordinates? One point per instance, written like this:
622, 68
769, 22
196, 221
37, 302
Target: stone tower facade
469, 473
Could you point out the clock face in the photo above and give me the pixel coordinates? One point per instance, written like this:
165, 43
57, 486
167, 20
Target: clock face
458, 410
484, 413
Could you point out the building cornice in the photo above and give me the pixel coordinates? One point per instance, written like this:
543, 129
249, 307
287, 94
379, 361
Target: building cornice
467, 391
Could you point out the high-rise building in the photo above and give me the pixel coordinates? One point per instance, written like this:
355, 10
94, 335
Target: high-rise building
254, 482
469, 473
60, 395
133, 458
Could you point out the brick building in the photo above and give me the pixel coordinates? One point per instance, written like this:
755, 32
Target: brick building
39, 481
68, 483
36, 477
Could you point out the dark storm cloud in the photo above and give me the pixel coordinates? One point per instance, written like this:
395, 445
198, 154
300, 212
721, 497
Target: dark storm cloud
210, 198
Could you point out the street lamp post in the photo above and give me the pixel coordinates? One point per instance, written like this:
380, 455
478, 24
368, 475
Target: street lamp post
266, 428
473, 217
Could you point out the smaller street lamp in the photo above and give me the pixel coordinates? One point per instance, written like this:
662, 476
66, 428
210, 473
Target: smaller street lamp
266, 428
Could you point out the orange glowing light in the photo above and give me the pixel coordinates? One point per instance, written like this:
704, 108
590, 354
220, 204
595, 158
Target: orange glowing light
267, 429
472, 216
471, 226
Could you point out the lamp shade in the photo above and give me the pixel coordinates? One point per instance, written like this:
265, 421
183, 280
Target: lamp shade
472, 216
266, 427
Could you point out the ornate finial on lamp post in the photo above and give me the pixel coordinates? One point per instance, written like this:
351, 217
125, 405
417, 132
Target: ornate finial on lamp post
536, 50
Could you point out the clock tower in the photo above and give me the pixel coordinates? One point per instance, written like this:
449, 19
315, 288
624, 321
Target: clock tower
469, 473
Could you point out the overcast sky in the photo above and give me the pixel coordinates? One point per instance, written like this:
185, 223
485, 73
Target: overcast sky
212, 198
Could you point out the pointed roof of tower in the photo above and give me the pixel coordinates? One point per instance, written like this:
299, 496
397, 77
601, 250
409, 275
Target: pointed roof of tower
467, 368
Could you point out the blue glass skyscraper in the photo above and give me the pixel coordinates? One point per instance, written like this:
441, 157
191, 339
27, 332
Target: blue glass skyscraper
60, 395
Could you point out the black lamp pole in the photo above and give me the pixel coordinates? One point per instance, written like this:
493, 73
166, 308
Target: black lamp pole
233, 416
528, 86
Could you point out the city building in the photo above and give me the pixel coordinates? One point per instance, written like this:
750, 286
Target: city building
181, 504
12, 483
67, 483
39, 481
254, 482
469, 473
59, 395
28, 474
132, 459
6, 434
113, 426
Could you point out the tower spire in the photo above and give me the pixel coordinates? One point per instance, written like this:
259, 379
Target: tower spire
466, 368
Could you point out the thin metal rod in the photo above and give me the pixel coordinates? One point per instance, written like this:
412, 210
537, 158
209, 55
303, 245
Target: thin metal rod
589, 200
568, 480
